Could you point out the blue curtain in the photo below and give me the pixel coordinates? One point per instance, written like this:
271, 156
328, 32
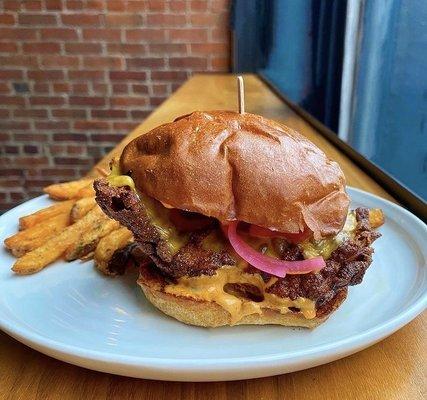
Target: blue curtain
297, 45
388, 122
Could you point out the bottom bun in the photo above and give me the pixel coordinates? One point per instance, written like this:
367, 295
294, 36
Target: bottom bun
210, 315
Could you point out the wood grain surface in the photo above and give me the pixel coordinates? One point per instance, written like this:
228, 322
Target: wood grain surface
395, 368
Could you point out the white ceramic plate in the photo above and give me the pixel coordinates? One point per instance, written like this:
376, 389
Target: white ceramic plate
71, 312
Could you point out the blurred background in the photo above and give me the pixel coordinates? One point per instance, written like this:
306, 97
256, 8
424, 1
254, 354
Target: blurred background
77, 75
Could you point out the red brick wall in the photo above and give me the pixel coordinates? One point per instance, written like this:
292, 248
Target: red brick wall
77, 75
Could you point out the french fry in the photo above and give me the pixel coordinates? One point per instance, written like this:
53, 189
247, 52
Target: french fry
376, 217
88, 256
31, 238
87, 191
51, 250
106, 247
88, 241
29, 221
81, 208
67, 190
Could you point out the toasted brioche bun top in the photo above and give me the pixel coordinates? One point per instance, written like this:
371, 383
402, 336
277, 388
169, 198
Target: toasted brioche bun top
242, 167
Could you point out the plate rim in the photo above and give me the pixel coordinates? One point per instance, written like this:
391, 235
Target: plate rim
341, 348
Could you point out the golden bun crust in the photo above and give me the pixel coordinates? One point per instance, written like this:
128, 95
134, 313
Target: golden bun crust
210, 315
242, 167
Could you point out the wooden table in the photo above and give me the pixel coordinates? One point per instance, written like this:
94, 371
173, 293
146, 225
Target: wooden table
396, 368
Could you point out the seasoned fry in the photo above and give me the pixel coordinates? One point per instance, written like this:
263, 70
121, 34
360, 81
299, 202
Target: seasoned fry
87, 191
81, 208
31, 238
106, 247
88, 241
40, 257
376, 217
29, 221
67, 190
88, 256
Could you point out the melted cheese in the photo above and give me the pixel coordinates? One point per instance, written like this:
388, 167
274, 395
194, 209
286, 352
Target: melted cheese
211, 288
325, 247
121, 180
156, 212
159, 217
116, 179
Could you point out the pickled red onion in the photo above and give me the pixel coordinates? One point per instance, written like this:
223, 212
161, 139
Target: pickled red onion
268, 264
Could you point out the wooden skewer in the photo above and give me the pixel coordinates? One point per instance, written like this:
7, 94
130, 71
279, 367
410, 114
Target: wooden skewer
241, 94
